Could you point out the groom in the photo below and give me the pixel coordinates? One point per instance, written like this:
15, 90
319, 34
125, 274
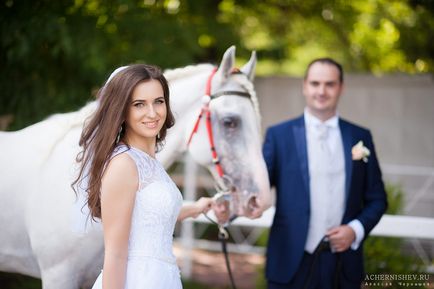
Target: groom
329, 191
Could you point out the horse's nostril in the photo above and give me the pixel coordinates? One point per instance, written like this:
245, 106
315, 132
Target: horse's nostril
252, 203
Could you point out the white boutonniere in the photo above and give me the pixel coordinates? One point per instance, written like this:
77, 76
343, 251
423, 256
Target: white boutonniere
360, 152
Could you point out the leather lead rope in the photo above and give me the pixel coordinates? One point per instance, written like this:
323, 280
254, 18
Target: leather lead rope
223, 235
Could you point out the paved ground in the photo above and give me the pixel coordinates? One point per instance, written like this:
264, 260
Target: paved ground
209, 268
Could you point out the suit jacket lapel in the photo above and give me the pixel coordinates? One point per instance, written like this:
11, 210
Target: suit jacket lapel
299, 131
347, 140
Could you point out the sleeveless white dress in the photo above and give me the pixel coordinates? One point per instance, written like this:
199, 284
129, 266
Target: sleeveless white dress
151, 262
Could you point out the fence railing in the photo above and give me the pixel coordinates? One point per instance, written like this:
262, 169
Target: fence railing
412, 228
389, 226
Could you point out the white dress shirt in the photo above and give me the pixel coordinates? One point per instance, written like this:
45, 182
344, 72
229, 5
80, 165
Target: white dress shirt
326, 180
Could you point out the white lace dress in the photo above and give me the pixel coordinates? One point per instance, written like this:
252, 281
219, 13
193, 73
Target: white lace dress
151, 262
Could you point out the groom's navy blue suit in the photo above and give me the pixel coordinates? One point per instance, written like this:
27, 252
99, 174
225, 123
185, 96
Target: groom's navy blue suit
285, 153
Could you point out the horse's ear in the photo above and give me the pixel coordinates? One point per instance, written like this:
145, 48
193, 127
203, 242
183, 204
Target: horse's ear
227, 63
249, 68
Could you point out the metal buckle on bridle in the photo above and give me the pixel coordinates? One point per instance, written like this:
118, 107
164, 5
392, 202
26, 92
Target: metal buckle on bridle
224, 188
223, 233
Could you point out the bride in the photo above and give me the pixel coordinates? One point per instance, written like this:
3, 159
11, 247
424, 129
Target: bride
127, 188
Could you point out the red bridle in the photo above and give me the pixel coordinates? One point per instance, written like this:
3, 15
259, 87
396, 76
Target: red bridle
207, 112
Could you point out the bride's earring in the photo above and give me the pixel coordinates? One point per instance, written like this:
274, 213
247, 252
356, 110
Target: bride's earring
119, 134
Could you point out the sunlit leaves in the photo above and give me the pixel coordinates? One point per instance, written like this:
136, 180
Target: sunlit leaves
206, 40
379, 36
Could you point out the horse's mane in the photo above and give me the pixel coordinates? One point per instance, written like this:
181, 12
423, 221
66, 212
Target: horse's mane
251, 89
71, 119
174, 74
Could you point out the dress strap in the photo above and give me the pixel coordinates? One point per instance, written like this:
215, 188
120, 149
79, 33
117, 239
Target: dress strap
118, 150
146, 165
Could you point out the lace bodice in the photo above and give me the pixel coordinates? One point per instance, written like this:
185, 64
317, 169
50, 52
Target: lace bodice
157, 205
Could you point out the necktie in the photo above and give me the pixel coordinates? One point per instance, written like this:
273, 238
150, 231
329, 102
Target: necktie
324, 149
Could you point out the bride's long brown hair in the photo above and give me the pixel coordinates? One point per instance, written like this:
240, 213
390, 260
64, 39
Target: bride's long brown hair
103, 130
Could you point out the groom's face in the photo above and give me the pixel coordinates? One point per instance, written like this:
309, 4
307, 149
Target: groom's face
322, 89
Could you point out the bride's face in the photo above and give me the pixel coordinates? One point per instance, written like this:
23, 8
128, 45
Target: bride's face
147, 112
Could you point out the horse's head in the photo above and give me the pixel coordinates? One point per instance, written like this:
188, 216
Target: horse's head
236, 160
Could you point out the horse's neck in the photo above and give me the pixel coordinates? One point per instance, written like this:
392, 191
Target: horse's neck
186, 101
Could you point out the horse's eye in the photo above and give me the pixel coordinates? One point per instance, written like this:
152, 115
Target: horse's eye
231, 122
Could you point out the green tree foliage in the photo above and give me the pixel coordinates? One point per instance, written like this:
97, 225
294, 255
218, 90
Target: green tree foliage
55, 54
366, 36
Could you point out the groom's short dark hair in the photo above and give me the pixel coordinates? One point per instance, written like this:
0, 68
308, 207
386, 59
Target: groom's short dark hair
330, 61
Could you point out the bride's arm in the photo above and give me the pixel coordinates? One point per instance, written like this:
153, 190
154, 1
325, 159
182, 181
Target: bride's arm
203, 205
118, 189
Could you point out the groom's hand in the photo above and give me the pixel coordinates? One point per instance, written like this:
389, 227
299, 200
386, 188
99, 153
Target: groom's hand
341, 238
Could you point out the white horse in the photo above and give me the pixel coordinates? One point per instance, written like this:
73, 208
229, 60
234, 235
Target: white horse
38, 166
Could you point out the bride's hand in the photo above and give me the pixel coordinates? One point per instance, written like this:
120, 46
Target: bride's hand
203, 205
221, 211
